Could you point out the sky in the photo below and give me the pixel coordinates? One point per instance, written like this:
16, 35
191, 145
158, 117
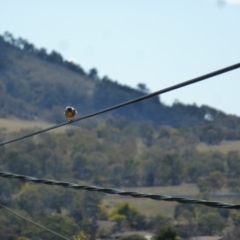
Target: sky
159, 43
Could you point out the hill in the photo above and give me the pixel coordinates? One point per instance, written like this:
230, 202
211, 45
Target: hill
38, 85
32, 85
182, 153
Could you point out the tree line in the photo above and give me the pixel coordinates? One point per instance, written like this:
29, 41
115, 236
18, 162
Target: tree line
115, 153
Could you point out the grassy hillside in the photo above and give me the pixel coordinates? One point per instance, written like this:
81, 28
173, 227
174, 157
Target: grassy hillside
31, 87
34, 87
16, 125
223, 147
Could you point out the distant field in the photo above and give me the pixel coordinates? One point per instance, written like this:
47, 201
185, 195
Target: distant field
224, 147
13, 125
150, 207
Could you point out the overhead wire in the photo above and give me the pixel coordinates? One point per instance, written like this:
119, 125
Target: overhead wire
34, 223
171, 88
157, 197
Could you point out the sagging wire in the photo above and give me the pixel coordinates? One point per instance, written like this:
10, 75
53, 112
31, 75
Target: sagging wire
157, 197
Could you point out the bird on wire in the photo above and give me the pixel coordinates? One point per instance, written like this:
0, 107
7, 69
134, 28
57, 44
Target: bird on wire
70, 113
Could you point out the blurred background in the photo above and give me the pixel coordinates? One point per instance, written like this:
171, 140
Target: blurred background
95, 54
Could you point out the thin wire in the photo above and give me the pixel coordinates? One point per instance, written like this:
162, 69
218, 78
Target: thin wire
174, 87
34, 223
120, 192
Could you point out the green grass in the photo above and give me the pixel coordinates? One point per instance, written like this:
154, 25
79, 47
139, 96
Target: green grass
224, 147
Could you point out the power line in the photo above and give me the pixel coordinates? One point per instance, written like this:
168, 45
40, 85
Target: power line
34, 223
157, 197
174, 87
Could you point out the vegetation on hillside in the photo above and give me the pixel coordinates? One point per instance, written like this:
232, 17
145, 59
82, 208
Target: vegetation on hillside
113, 154
36, 84
147, 144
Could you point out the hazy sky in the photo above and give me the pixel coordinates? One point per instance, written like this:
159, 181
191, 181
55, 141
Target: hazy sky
156, 42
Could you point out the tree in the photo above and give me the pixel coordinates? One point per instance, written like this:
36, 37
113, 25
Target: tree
235, 216
211, 134
127, 212
80, 162
133, 237
55, 57
42, 53
233, 163
186, 212
62, 224
13, 225
143, 88
81, 236
213, 182
159, 221
29, 47
167, 233
93, 73
30, 200
234, 185
77, 212
211, 223
233, 234
118, 218
103, 214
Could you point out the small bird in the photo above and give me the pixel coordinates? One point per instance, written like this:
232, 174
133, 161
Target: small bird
70, 113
